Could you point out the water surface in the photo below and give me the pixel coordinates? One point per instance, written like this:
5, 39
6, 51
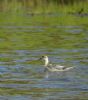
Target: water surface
24, 38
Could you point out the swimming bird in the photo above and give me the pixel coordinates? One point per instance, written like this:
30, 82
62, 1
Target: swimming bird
52, 67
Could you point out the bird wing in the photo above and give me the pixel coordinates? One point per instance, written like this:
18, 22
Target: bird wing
59, 67
63, 68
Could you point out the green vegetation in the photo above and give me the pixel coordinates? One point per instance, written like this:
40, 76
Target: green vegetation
25, 25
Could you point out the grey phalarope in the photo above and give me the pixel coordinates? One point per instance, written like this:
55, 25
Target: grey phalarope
52, 67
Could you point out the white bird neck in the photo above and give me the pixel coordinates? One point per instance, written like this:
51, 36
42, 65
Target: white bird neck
46, 61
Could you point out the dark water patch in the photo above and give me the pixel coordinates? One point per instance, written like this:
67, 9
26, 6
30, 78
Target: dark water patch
69, 27
43, 14
75, 31
41, 27
22, 27
80, 15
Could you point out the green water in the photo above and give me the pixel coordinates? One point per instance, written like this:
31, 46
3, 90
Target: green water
26, 33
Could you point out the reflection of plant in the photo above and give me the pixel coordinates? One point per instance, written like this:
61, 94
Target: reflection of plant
16, 5
44, 27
